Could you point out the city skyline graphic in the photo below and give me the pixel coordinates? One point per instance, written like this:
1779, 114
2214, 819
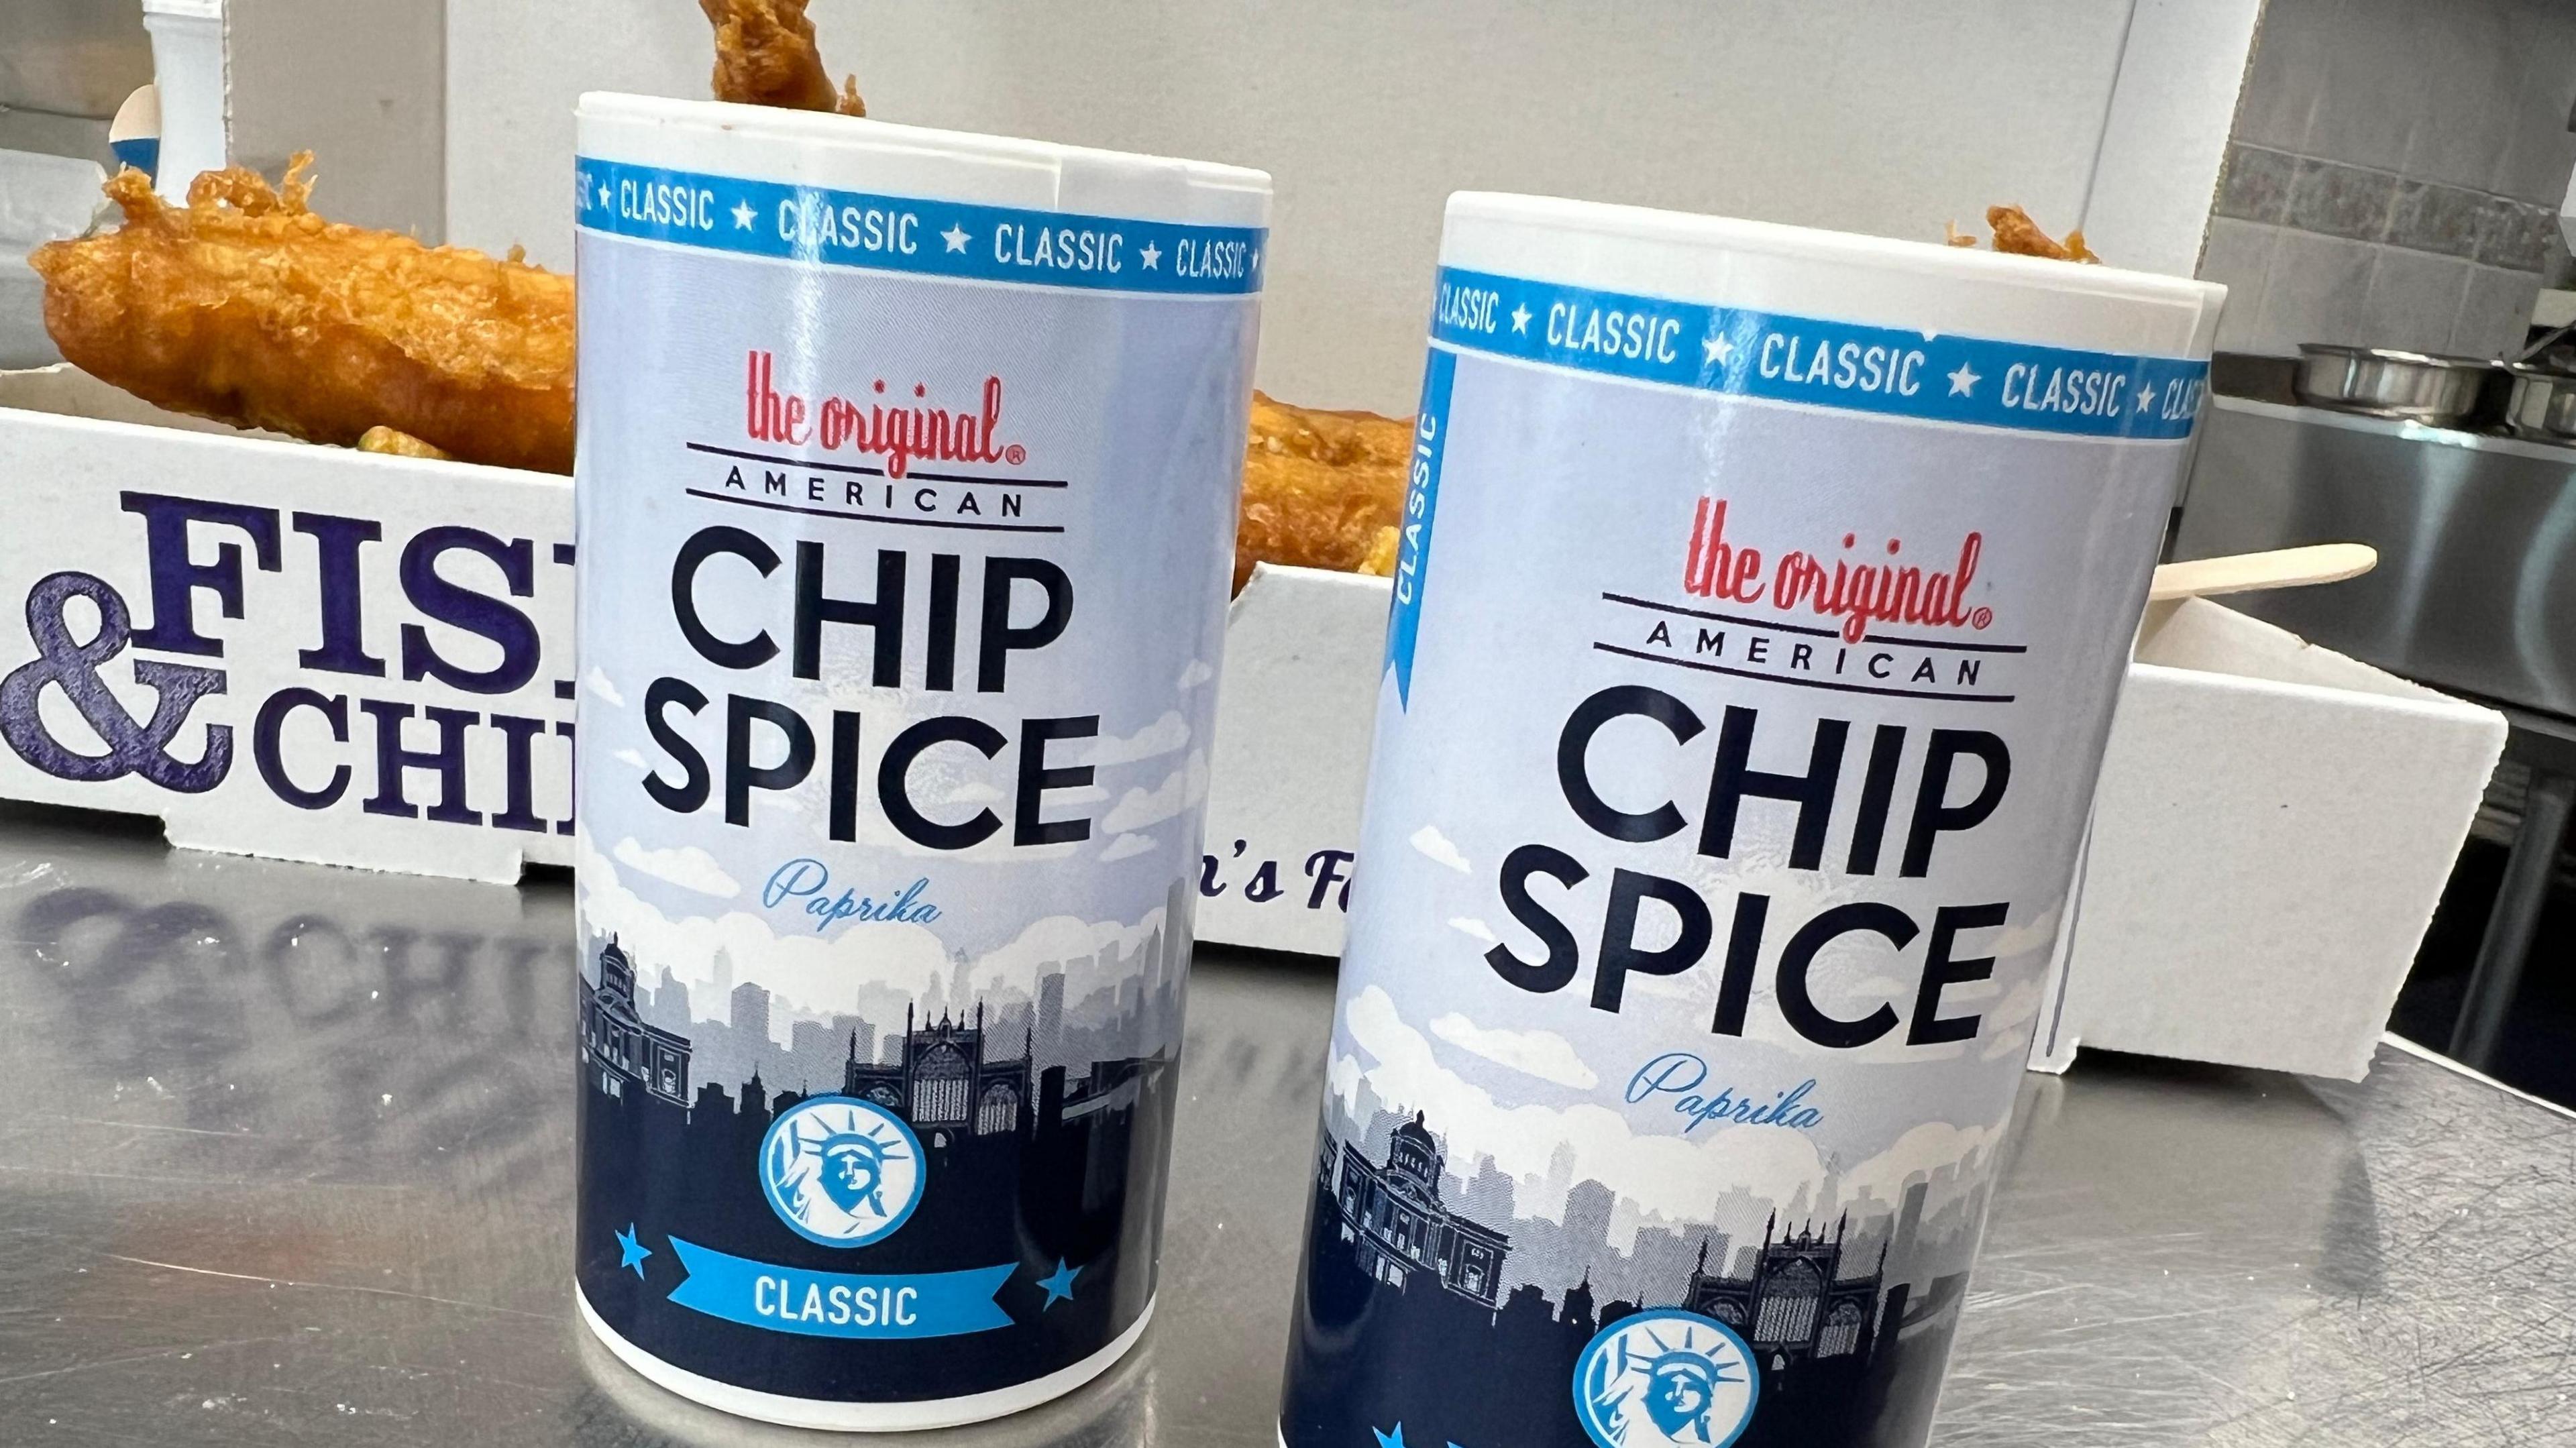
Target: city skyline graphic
1044, 1122
1431, 1299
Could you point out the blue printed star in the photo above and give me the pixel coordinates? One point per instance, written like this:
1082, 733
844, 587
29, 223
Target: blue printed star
1390, 1440
631, 1253
1059, 1288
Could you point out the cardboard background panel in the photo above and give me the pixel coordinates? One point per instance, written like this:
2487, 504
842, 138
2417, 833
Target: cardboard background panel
1852, 114
1295, 714
450, 588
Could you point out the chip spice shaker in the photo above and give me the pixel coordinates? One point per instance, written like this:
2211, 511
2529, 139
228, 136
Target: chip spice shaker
905, 486
1761, 604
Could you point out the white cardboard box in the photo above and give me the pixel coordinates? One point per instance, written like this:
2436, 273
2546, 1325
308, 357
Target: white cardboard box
2274, 825
304, 652
2273, 828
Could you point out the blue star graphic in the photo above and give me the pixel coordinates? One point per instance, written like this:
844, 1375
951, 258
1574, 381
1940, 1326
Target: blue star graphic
1390, 1440
631, 1253
1059, 1288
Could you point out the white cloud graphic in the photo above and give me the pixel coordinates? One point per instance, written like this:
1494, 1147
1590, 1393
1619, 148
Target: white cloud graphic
2003, 1027
1543, 1054
1167, 735
1342, 1077
1195, 674
1052, 939
688, 867
2037, 933
961, 790
1469, 925
1126, 846
1179, 790
630, 758
805, 969
1663, 1172
597, 683
1431, 842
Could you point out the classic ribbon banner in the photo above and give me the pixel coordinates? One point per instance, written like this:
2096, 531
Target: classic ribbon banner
840, 1304
1421, 499
915, 234
1847, 366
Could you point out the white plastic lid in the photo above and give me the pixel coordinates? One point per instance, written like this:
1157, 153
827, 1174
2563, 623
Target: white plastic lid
845, 153
1832, 275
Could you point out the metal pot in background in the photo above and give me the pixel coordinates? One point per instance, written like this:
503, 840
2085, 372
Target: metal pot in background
2543, 405
2377, 381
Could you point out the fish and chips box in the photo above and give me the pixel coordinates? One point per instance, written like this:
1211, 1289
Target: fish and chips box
319, 654
309, 653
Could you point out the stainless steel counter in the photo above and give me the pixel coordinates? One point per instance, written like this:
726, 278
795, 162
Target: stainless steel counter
286, 1159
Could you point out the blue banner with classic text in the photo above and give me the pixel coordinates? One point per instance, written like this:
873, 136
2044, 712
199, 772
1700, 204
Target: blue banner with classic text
915, 234
1421, 502
1842, 365
840, 1304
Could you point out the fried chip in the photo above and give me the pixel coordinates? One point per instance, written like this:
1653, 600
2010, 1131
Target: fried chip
1380, 562
382, 439
1321, 489
2018, 235
245, 307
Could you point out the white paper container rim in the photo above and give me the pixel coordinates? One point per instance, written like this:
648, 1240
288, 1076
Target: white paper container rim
847, 153
843, 1417
1833, 275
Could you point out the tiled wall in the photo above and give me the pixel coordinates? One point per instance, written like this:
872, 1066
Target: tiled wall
2395, 174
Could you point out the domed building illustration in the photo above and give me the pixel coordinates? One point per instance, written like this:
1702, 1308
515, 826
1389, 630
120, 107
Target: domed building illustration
1394, 1219
625, 1055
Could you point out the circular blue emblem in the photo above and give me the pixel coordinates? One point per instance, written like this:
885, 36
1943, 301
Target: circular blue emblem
841, 1171
1662, 1377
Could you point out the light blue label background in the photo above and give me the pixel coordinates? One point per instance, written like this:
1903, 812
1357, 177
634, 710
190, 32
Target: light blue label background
1137, 403
1556, 488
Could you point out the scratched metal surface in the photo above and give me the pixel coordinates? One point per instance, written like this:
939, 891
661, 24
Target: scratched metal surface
284, 1159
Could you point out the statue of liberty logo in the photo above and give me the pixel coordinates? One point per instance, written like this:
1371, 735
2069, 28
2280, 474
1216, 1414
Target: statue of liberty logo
1665, 1378
841, 1171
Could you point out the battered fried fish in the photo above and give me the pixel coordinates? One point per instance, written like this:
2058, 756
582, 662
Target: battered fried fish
246, 307
1321, 489
765, 56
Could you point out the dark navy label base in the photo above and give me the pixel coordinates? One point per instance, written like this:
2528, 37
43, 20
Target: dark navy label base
1365, 1356
1060, 1196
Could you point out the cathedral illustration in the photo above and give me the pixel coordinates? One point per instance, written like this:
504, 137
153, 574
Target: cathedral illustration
947, 1079
1797, 1306
624, 1053
1394, 1220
